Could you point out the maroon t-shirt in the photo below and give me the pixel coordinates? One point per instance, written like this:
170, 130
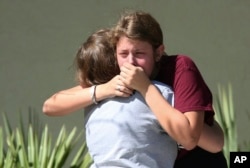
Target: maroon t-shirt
190, 91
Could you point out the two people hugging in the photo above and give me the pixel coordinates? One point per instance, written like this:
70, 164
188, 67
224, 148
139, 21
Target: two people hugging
146, 108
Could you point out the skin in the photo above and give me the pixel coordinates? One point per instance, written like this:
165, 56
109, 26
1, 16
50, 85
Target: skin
70, 100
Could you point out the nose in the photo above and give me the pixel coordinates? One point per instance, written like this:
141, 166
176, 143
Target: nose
131, 59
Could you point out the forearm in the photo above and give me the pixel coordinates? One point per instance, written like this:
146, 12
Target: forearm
176, 124
185, 129
70, 100
212, 138
67, 101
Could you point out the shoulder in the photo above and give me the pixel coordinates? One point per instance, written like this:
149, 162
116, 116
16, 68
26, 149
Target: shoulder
184, 62
177, 62
162, 86
165, 90
184, 58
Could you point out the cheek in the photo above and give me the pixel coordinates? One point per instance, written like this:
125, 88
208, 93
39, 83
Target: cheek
120, 61
147, 66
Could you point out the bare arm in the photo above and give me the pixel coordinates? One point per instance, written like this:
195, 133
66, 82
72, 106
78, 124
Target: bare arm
188, 129
185, 129
67, 101
70, 100
212, 138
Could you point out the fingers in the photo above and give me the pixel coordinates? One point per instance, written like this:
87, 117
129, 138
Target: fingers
119, 87
127, 75
122, 90
130, 73
123, 77
123, 74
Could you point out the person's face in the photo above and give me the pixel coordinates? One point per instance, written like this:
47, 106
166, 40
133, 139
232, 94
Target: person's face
136, 52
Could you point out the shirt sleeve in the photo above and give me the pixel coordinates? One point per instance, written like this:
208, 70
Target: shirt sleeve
190, 90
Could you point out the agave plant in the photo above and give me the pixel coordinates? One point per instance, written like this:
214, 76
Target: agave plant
225, 115
34, 149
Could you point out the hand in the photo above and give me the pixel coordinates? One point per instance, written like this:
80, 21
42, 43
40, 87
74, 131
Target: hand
134, 77
115, 87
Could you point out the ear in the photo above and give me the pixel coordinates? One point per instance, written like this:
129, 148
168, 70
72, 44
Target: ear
159, 52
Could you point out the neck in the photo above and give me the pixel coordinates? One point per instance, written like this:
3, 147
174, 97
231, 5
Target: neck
154, 73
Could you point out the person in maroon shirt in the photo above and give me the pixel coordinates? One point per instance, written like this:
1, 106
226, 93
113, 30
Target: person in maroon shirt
191, 95
190, 90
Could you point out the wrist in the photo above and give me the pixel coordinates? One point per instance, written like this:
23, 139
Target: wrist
143, 89
101, 92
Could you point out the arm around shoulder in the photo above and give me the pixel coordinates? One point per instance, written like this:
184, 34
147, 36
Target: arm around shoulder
67, 101
184, 128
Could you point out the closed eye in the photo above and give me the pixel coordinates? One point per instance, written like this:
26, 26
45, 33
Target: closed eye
123, 54
139, 54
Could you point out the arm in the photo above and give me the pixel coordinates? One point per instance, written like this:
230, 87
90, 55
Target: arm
192, 93
187, 129
69, 100
184, 128
212, 138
